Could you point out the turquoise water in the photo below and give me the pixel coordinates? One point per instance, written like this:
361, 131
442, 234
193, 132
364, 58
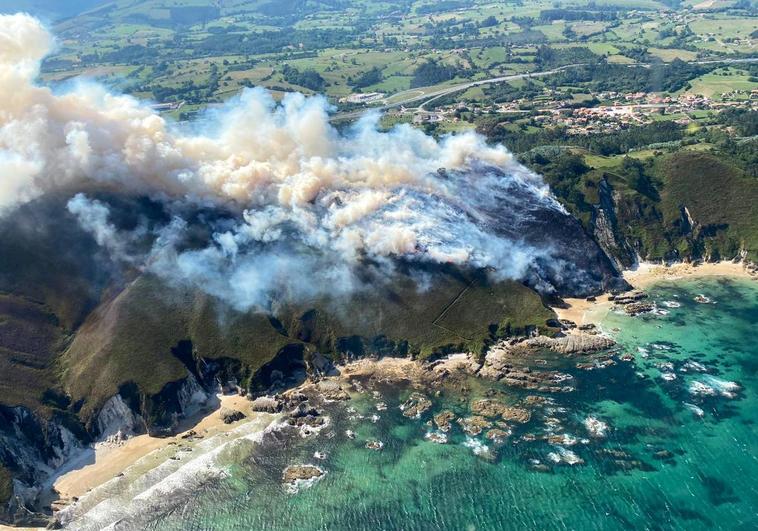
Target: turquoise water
670, 459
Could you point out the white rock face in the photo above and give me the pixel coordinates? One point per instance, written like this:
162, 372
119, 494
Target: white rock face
117, 419
191, 396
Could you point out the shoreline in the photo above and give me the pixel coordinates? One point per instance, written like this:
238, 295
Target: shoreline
647, 274
96, 465
107, 460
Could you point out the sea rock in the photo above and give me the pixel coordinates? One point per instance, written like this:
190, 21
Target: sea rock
497, 435
296, 476
306, 418
563, 439
628, 297
229, 415
616, 454
295, 472
536, 400
488, 408
474, 425
572, 343
266, 404
293, 398
637, 308
436, 437
415, 406
375, 445
442, 420
336, 394
516, 414
565, 456
595, 427
567, 324
304, 409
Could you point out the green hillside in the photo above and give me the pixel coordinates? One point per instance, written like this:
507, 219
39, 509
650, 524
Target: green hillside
135, 337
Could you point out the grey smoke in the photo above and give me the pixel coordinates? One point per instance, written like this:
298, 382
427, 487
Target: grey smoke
310, 209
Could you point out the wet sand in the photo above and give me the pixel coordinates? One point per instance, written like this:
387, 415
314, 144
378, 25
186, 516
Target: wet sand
112, 459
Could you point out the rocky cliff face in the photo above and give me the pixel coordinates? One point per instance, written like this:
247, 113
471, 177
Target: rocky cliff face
606, 231
32, 447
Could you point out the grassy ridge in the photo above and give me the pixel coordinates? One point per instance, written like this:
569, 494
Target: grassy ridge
29, 340
455, 312
718, 196
650, 192
131, 338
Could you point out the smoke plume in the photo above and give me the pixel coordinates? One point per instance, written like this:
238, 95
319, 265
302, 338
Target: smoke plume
305, 207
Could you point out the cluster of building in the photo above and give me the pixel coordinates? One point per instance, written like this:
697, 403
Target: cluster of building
617, 110
368, 97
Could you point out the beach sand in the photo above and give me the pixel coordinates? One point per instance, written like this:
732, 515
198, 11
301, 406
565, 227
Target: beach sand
582, 311
647, 273
112, 459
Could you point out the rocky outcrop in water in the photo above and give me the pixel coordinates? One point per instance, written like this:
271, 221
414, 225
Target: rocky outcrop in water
415, 406
442, 420
571, 344
474, 425
632, 302
295, 474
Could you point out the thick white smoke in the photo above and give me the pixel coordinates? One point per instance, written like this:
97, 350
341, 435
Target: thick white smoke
312, 204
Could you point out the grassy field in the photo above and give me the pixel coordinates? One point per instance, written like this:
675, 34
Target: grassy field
720, 81
342, 43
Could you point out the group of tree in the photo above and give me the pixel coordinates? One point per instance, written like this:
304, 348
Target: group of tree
309, 79
601, 76
366, 79
520, 141
432, 73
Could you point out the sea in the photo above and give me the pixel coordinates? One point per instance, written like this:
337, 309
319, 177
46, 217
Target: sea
659, 433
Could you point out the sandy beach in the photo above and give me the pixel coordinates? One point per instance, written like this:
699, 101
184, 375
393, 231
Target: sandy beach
582, 311
647, 273
112, 459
